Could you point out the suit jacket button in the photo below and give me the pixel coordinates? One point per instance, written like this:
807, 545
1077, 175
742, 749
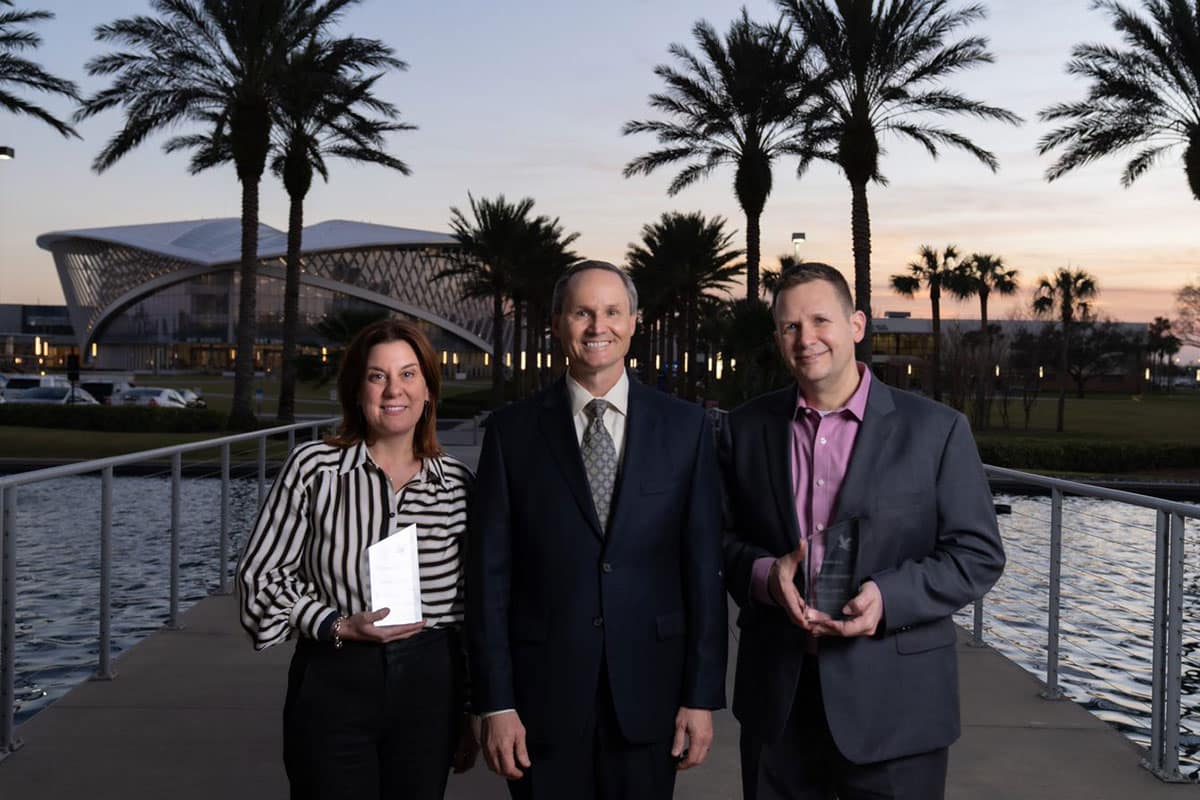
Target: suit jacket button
598, 622
607, 567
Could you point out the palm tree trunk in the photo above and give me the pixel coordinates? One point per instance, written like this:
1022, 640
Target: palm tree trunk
753, 252
241, 415
291, 313
1062, 375
982, 407
497, 350
648, 349
689, 330
518, 323
860, 227
935, 298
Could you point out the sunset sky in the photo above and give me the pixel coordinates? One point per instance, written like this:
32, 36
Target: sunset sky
528, 98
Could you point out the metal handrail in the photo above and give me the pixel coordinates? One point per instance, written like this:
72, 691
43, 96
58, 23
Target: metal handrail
1162, 759
9, 486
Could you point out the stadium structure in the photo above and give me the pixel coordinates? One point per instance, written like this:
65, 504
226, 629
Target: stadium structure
165, 295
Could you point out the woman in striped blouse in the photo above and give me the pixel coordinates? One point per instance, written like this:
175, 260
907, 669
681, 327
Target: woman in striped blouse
371, 710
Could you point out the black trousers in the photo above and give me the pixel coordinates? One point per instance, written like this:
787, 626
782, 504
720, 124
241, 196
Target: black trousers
373, 721
805, 764
601, 765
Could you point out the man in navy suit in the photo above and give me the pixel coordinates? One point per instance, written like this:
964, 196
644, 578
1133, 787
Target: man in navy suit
858, 520
595, 601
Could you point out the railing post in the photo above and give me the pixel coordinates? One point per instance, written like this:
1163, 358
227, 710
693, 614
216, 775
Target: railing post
262, 468
1162, 539
176, 478
1052, 691
8, 621
977, 627
104, 666
291, 439
223, 546
1174, 652
316, 432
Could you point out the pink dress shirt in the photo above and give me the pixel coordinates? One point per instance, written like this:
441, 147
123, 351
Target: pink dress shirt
822, 443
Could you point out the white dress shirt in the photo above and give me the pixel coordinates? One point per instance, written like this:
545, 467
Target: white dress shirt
614, 418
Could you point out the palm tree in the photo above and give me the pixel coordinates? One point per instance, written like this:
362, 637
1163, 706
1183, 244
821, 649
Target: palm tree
216, 63
1142, 95
886, 62
980, 275
324, 99
691, 255
741, 101
1069, 292
548, 256
493, 242
17, 73
933, 271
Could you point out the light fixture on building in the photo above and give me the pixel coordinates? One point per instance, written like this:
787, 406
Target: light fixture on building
633, 363
508, 359
454, 359
997, 370
445, 357
37, 345
539, 360
720, 366
732, 364
324, 355
487, 359
548, 364
657, 362
909, 370
95, 350
522, 361
685, 362
1147, 373
1041, 372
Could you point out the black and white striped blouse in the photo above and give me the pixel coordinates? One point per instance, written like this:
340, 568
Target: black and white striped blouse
307, 556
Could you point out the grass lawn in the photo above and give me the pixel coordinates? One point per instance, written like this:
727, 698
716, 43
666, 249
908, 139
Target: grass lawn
1173, 418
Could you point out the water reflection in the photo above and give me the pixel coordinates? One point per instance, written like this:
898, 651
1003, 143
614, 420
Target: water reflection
1107, 610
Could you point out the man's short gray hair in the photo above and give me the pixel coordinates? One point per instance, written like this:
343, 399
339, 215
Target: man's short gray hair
560, 287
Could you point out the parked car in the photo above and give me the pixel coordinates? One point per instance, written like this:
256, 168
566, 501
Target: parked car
107, 392
13, 383
153, 396
55, 395
193, 399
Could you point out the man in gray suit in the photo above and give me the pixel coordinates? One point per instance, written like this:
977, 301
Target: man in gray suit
857, 520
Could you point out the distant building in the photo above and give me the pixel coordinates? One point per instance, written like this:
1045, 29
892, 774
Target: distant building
165, 295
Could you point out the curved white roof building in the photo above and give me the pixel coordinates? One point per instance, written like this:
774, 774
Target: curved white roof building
176, 282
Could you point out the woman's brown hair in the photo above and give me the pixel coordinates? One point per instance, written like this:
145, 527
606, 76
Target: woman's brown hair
354, 371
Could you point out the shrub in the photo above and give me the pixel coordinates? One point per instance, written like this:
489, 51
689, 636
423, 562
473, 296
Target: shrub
123, 419
1086, 455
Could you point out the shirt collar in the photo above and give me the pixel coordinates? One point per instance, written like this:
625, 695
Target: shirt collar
856, 405
432, 470
617, 397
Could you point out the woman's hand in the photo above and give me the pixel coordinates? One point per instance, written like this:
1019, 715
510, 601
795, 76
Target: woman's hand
361, 627
468, 744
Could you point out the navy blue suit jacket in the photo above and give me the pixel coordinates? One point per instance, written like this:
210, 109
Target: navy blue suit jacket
927, 537
551, 599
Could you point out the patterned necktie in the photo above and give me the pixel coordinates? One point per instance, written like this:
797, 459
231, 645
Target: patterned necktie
599, 460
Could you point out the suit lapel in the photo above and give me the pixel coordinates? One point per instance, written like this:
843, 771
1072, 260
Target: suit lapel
777, 440
640, 424
558, 430
854, 498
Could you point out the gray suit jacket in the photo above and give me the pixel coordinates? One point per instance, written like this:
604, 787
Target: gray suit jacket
927, 536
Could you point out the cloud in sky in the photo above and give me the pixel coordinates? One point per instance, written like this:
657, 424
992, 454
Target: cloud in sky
528, 98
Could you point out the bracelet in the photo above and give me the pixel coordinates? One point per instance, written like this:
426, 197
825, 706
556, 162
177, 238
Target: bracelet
335, 631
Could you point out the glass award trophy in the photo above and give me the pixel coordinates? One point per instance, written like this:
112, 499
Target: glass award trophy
830, 590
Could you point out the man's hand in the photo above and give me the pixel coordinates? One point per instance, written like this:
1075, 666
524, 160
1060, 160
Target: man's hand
503, 743
361, 627
693, 737
862, 615
782, 587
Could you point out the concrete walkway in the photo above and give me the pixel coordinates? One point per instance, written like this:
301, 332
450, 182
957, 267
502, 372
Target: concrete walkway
195, 713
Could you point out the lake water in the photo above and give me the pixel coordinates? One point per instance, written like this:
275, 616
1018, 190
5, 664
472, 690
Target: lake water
1107, 593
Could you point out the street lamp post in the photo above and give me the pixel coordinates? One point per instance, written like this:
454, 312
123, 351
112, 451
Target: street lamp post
797, 240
